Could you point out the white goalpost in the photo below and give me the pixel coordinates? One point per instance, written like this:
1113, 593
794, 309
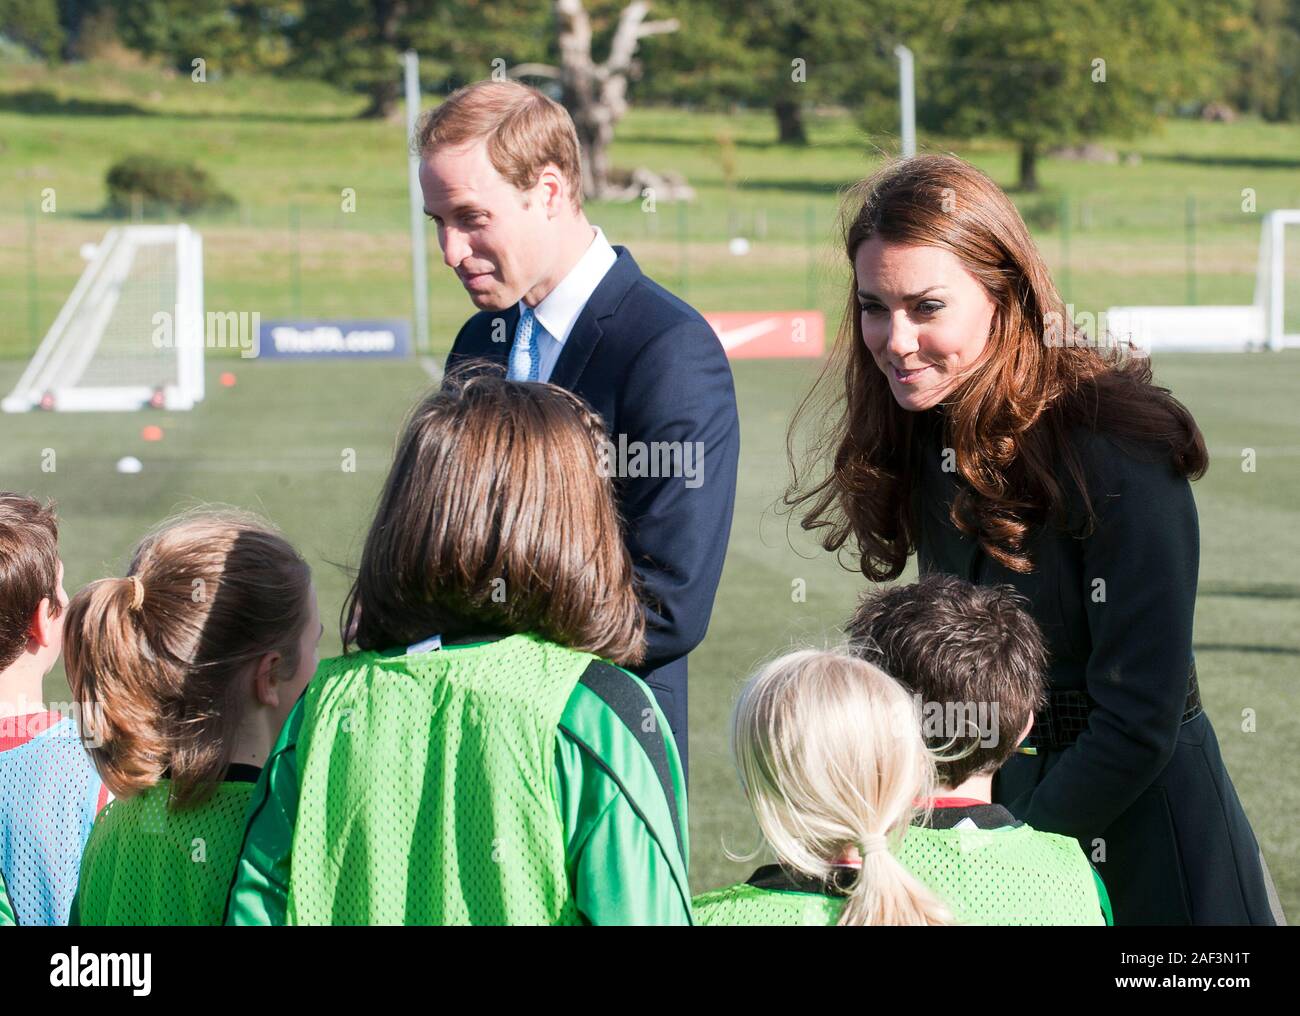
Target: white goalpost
131, 334
1259, 325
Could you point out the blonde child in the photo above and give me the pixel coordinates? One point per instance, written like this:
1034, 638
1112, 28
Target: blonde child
830, 755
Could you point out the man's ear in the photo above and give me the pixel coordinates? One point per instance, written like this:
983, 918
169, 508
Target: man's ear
554, 190
44, 625
1028, 727
266, 686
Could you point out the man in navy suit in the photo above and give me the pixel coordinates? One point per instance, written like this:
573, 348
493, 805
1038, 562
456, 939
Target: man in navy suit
502, 181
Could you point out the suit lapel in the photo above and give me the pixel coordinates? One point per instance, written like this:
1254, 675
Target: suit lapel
587, 330
499, 352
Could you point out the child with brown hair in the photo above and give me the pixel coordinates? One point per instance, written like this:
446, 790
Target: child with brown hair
481, 756
186, 669
49, 790
974, 660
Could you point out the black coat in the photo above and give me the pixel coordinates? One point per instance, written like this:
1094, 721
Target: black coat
655, 371
1146, 794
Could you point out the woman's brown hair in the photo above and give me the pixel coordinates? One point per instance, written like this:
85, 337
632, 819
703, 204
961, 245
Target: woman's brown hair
498, 517
156, 660
1010, 422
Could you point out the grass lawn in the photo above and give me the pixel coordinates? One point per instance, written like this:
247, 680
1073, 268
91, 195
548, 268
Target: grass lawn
275, 443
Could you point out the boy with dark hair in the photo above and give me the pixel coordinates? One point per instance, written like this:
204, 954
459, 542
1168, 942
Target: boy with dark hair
49, 790
974, 659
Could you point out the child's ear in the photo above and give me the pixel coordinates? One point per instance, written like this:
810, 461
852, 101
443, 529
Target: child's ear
44, 628
266, 686
1028, 727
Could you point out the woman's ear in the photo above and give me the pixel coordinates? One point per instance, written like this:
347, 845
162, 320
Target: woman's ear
266, 686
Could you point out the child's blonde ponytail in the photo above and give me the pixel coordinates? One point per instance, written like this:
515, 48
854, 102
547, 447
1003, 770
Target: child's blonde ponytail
830, 753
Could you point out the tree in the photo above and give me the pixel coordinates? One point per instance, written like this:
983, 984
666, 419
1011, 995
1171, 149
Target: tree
1042, 72
227, 36
357, 44
33, 24
1265, 55
595, 94
793, 55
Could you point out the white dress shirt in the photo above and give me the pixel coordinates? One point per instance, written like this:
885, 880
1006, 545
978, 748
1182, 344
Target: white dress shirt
559, 311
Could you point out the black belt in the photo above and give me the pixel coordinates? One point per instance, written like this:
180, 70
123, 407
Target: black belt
1065, 716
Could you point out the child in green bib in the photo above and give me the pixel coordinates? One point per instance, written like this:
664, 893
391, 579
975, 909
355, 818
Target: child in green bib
185, 671
969, 661
479, 754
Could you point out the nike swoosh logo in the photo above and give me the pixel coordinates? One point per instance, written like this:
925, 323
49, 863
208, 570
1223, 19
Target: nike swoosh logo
739, 336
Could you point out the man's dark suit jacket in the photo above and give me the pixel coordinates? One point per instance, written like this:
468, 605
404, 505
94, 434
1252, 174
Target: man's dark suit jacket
1147, 795
655, 371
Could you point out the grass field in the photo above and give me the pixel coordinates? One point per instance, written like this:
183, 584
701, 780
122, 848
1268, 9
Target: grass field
275, 441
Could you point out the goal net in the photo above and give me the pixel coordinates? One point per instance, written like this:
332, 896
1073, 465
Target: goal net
130, 336
1272, 321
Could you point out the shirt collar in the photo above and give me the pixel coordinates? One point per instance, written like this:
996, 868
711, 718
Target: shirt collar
559, 311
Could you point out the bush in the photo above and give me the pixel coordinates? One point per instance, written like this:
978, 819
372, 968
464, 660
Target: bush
181, 186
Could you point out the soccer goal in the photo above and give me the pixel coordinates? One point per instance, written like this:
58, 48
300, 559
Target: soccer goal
1271, 322
130, 336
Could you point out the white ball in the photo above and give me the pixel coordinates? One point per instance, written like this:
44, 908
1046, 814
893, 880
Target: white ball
739, 246
129, 464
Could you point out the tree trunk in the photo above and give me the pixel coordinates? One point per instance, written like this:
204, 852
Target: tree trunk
595, 94
383, 97
386, 17
789, 122
1029, 165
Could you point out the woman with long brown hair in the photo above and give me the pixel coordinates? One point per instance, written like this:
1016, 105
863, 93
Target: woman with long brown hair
971, 423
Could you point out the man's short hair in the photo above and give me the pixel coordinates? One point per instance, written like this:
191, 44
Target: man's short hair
964, 648
29, 569
523, 129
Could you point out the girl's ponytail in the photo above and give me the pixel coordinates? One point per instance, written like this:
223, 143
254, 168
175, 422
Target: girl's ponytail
830, 753
887, 893
159, 660
114, 679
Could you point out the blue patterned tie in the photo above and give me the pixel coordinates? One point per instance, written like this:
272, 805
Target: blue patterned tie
524, 356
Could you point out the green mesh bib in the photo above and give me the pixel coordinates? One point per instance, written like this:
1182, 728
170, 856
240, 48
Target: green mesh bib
147, 864
1012, 875
1009, 876
427, 788
749, 905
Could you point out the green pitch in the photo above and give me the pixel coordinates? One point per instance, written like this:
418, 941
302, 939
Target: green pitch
279, 441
